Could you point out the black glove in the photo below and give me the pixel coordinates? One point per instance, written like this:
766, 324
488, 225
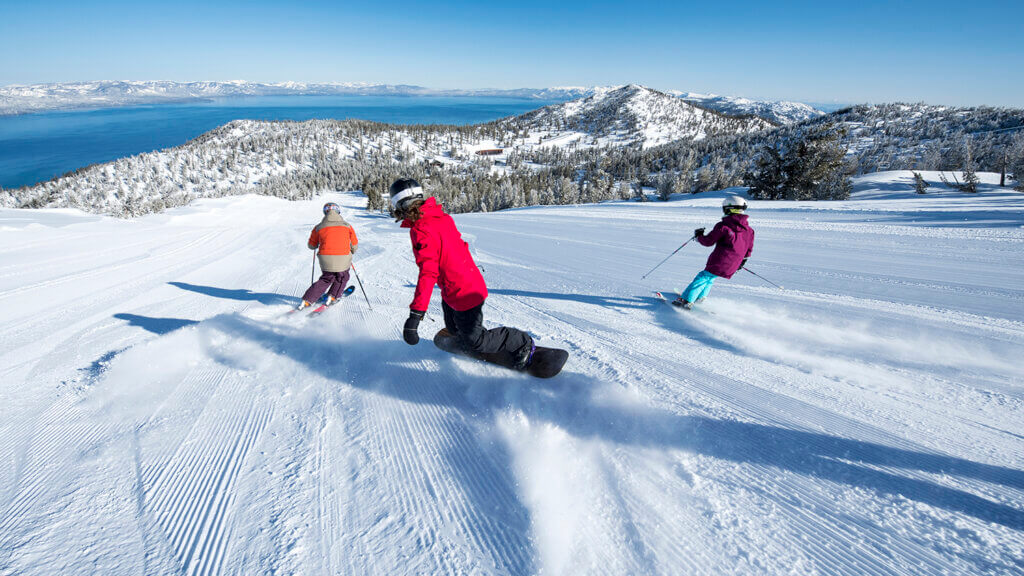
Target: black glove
744, 263
409, 332
698, 232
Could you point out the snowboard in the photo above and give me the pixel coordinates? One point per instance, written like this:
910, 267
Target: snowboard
546, 362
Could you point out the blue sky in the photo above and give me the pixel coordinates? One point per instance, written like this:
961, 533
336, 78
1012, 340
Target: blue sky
963, 53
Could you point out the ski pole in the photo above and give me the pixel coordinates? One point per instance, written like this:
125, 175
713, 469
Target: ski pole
667, 257
363, 290
312, 270
763, 278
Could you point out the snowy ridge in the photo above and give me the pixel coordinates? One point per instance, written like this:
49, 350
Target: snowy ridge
633, 115
167, 418
778, 112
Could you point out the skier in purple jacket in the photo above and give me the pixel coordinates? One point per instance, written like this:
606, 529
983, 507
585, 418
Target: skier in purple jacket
733, 240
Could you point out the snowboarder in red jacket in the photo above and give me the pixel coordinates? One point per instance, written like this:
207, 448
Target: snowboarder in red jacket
444, 259
733, 240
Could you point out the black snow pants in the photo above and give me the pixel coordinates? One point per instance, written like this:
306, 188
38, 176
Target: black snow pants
508, 347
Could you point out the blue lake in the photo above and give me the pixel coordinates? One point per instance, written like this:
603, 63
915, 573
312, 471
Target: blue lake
38, 147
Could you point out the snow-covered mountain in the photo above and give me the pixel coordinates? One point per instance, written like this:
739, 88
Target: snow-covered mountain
250, 156
604, 146
160, 415
778, 112
101, 94
631, 115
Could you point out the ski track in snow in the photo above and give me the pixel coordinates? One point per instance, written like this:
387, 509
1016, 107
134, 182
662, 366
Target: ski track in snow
164, 415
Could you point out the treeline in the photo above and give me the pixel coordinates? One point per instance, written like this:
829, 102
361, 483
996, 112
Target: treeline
867, 138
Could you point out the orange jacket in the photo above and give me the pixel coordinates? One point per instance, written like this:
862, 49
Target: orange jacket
336, 241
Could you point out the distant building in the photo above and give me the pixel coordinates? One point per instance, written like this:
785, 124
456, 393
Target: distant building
490, 152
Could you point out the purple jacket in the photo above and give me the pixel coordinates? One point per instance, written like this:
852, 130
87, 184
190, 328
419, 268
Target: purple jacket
733, 240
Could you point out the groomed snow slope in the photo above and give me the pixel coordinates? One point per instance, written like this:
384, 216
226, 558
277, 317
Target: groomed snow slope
160, 415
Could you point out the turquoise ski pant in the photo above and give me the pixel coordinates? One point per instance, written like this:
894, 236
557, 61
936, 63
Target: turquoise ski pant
700, 286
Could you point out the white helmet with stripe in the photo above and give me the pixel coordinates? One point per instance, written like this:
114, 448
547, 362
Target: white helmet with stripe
403, 191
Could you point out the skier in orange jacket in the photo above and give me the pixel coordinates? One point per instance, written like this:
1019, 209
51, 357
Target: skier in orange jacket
336, 242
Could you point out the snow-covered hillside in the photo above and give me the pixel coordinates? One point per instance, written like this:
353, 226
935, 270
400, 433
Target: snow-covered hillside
632, 115
585, 150
779, 112
269, 157
160, 415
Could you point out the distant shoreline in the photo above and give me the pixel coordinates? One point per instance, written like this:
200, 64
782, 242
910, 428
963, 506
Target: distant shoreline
40, 145
187, 100
29, 99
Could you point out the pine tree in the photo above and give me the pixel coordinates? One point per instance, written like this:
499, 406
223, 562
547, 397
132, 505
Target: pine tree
639, 188
625, 192
970, 174
767, 181
1017, 161
815, 168
666, 186
920, 185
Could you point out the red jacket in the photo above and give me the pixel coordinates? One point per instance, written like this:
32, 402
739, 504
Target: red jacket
444, 259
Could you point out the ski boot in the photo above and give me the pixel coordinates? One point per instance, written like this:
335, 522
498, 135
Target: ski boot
682, 303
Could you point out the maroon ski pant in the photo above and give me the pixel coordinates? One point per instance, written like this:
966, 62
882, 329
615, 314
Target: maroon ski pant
336, 281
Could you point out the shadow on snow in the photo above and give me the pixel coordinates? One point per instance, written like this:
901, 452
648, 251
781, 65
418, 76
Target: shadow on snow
358, 363
567, 402
158, 326
242, 295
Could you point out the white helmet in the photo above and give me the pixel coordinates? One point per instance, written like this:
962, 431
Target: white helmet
733, 205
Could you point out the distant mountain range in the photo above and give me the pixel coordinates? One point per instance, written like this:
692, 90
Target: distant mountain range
19, 99
609, 144
777, 112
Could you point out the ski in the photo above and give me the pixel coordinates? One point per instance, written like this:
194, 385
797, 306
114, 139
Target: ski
661, 296
323, 307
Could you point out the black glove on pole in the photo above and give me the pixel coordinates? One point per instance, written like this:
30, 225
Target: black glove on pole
409, 333
698, 232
